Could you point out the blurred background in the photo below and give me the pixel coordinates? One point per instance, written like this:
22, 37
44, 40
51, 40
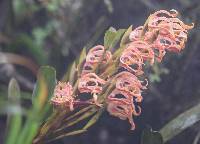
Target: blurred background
53, 32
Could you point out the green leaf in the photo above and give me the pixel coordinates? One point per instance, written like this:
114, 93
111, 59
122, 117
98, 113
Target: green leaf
81, 59
112, 37
151, 137
46, 80
109, 36
81, 111
72, 73
180, 123
55, 118
93, 120
67, 134
84, 116
125, 37
14, 120
6, 108
117, 38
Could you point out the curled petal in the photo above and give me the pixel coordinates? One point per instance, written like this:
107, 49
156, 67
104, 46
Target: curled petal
181, 23
90, 83
162, 32
95, 54
155, 22
171, 13
136, 33
98, 54
133, 56
132, 61
143, 48
122, 111
129, 85
63, 95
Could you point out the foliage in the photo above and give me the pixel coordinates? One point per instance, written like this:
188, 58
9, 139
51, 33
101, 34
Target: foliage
35, 115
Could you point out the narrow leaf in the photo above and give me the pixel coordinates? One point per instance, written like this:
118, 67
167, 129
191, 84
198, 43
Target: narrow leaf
14, 120
81, 60
180, 123
112, 37
67, 134
117, 38
46, 80
125, 37
72, 74
42, 93
109, 37
78, 113
93, 120
75, 121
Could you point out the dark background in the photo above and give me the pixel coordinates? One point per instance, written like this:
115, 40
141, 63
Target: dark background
59, 30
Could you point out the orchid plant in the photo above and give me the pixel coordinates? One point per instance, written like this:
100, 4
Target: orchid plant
113, 75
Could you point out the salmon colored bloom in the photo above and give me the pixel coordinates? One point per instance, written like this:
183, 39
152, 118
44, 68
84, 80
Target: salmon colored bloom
130, 84
123, 111
132, 61
95, 56
121, 100
90, 83
63, 95
136, 34
135, 55
121, 97
162, 32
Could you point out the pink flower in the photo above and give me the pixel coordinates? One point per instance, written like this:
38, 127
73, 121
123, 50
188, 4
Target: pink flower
130, 84
96, 55
162, 32
123, 111
121, 100
63, 95
134, 56
90, 83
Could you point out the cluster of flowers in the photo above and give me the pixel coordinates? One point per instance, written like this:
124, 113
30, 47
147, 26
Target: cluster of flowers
162, 32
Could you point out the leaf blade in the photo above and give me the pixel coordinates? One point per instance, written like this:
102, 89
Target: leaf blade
180, 123
14, 120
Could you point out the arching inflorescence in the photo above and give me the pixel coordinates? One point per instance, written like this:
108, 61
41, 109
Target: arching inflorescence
162, 32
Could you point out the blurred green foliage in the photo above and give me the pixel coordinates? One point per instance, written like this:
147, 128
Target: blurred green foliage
24, 133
